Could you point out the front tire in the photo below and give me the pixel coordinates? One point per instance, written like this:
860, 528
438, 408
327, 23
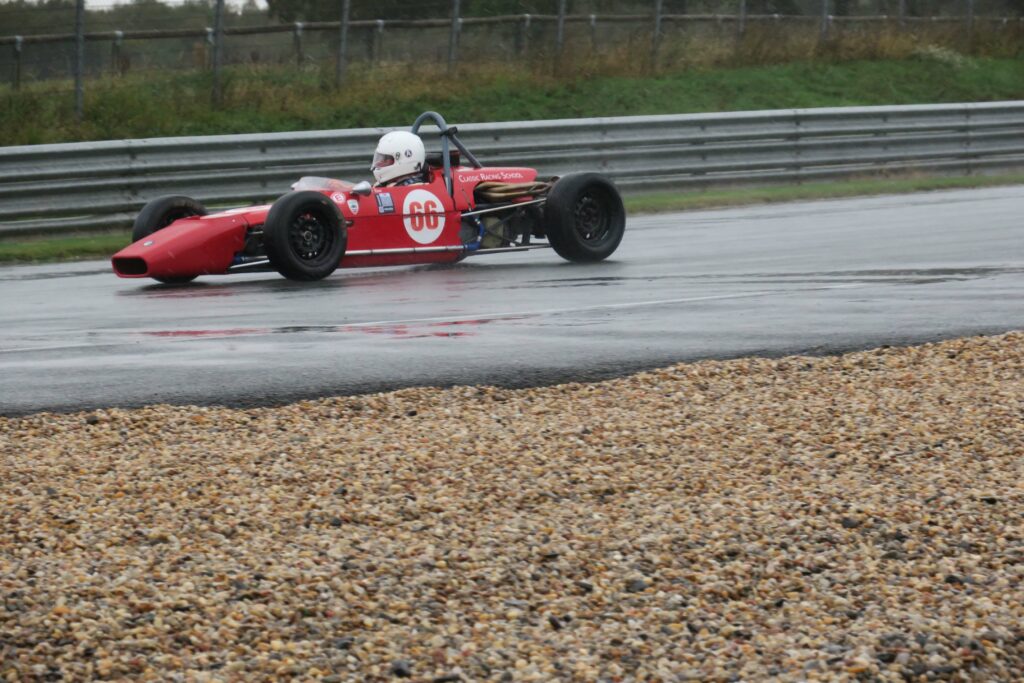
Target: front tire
584, 217
305, 236
157, 215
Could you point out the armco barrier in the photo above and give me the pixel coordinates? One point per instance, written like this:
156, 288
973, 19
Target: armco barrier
100, 185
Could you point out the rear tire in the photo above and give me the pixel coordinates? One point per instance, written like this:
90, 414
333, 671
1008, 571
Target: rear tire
584, 217
157, 215
305, 236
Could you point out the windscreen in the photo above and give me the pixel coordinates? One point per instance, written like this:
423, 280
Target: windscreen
312, 182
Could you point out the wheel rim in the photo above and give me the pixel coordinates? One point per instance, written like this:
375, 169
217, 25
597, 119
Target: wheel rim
590, 218
310, 237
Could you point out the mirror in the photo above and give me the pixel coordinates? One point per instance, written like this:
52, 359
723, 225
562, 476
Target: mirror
362, 189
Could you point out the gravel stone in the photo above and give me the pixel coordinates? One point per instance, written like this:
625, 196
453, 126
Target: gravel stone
447, 678
214, 544
401, 668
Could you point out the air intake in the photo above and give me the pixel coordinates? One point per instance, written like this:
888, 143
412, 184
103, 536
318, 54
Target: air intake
130, 265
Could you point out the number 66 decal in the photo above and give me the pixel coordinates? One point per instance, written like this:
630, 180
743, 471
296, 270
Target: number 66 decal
423, 216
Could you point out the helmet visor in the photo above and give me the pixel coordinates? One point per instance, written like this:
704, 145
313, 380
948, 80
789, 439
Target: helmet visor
381, 160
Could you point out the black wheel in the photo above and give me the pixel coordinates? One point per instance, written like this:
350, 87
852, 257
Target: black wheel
305, 236
584, 217
157, 215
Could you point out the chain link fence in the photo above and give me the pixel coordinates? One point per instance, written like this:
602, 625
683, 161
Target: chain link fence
69, 41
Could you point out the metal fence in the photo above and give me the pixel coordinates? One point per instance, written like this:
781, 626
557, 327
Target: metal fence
75, 49
97, 186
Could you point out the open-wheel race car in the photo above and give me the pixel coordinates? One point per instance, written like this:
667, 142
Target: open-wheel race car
442, 213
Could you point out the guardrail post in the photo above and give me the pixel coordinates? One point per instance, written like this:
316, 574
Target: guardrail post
903, 13
297, 40
453, 37
79, 60
340, 65
115, 52
656, 36
593, 33
523, 36
825, 20
741, 24
218, 51
560, 36
378, 39
18, 41
966, 143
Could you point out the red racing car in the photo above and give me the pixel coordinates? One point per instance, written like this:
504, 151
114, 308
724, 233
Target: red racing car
440, 211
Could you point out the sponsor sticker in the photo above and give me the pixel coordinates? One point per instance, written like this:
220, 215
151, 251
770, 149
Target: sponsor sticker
423, 216
385, 204
507, 176
353, 206
337, 197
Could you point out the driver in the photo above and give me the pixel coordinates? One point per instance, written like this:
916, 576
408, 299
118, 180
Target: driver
399, 160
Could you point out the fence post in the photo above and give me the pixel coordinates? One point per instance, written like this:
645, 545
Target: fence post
741, 24
208, 49
218, 50
903, 13
378, 39
115, 52
824, 19
18, 41
656, 36
593, 33
970, 26
297, 40
560, 36
340, 64
524, 35
79, 60
453, 37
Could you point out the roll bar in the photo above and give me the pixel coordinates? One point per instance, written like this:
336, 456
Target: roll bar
447, 133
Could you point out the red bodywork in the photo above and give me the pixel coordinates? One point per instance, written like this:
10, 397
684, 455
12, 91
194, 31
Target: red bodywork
411, 224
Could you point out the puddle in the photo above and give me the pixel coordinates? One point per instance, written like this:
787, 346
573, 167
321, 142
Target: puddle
411, 330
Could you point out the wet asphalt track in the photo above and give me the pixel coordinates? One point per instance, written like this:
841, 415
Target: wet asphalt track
813, 277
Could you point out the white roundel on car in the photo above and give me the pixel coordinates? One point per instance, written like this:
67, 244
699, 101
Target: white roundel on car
423, 215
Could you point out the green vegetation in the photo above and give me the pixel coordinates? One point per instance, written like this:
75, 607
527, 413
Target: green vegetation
675, 201
283, 99
62, 248
102, 246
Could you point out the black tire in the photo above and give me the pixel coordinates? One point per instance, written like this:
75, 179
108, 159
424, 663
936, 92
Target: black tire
584, 217
305, 236
157, 215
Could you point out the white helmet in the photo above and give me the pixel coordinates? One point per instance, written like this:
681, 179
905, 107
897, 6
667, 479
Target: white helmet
398, 154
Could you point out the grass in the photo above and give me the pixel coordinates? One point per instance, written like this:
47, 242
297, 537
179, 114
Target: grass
75, 247
283, 99
103, 246
860, 187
